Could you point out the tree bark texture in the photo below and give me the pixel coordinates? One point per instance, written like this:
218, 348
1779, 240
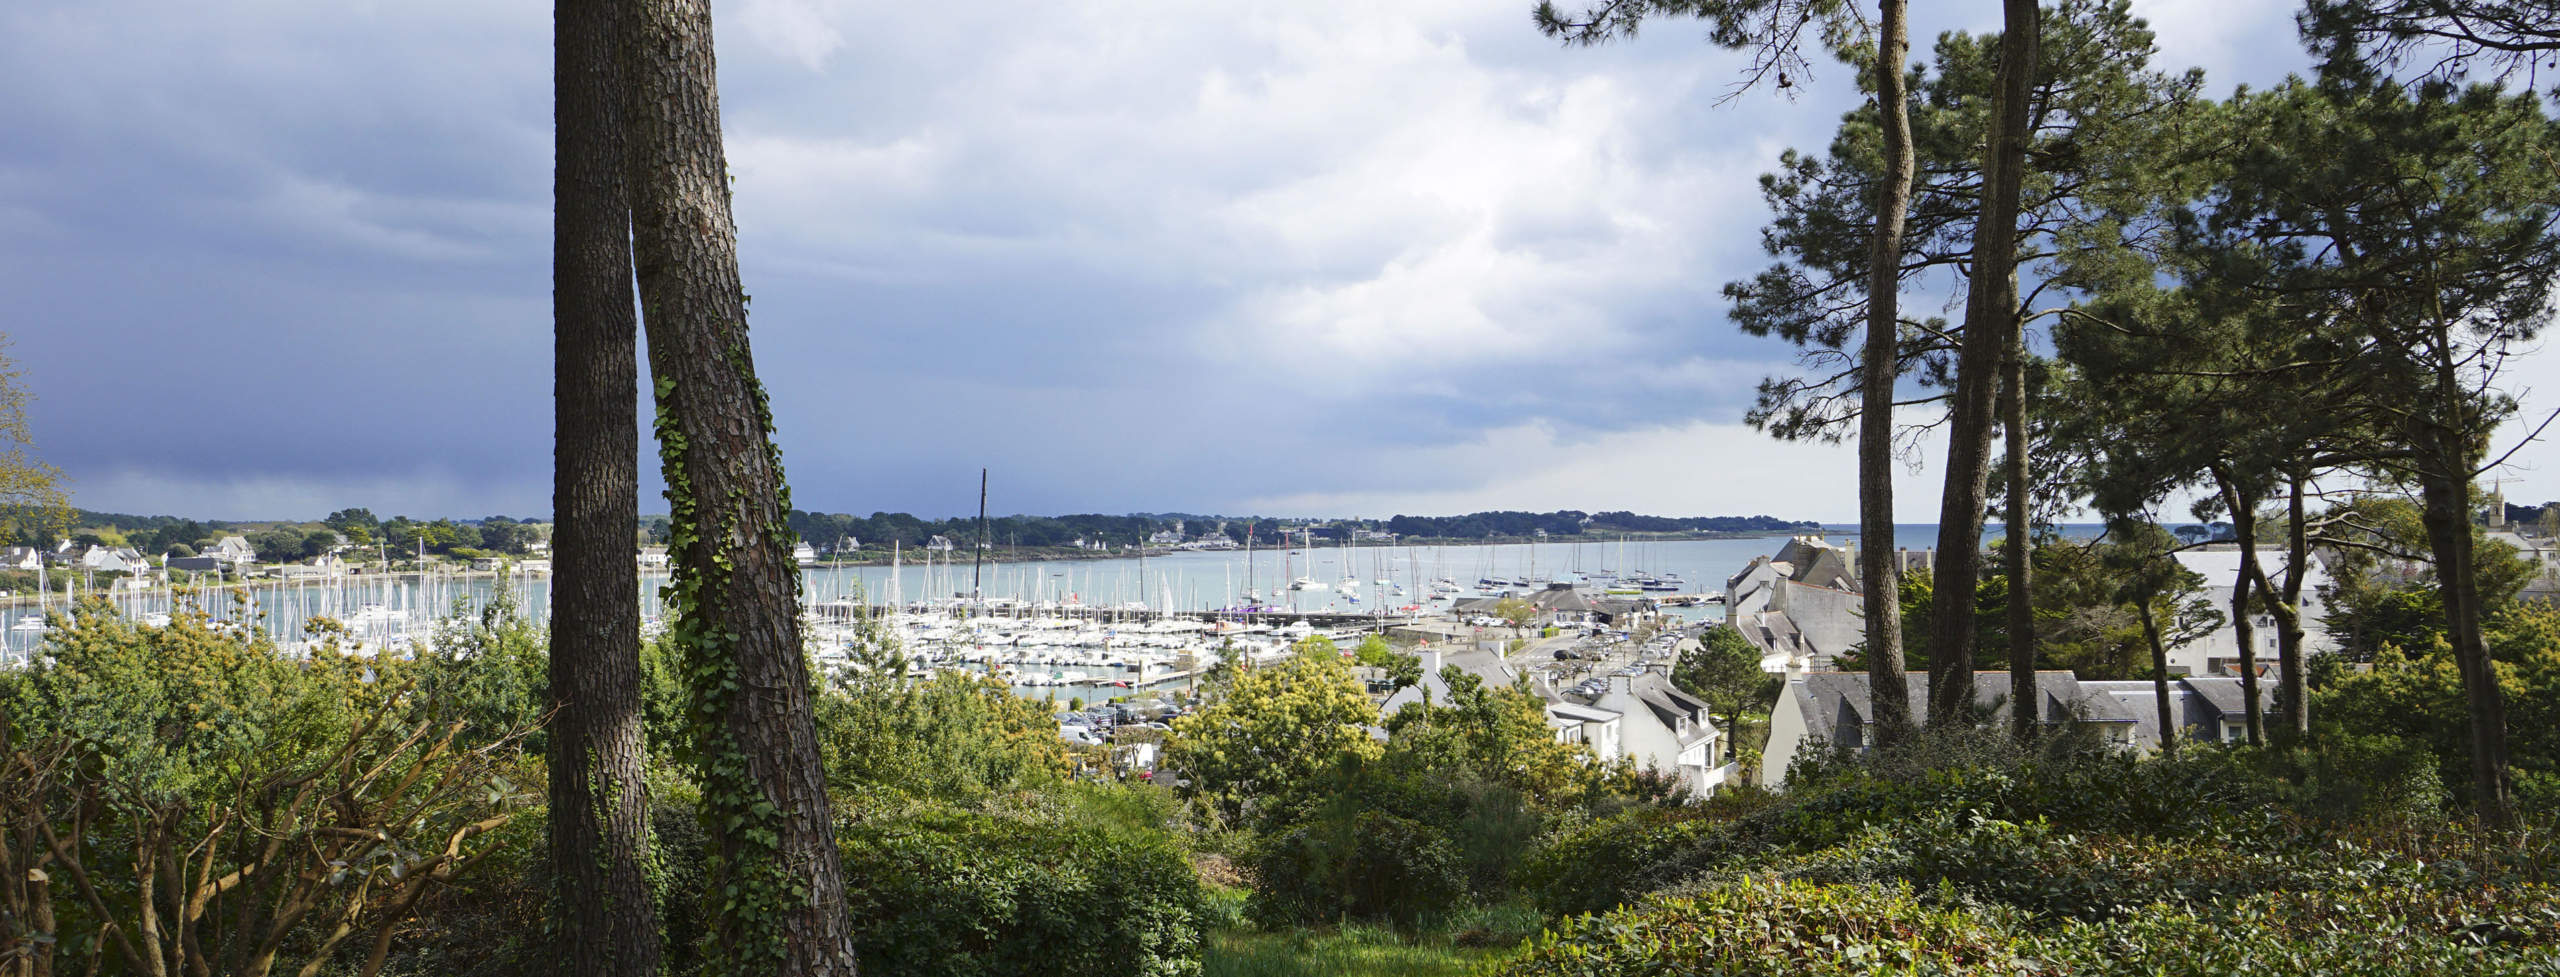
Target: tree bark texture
2284, 602
2159, 677
2445, 466
1991, 314
604, 903
735, 585
2024, 703
2244, 530
1879, 564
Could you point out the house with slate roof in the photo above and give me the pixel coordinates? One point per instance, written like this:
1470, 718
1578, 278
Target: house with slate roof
1486, 666
2211, 708
1833, 708
113, 558
1640, 716
1665, 730
1564, 605
233, 550
2220, 650
1800, 606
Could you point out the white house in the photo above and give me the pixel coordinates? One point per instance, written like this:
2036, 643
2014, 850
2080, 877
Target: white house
804, 554
2220, 568
1800, 607
1589, 726
1640, 716
1664, 730
1833, 708
2541, 551
232, 550
21, 558
117, 558
653, 558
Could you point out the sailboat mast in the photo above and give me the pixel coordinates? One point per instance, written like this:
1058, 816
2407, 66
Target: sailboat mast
978, 564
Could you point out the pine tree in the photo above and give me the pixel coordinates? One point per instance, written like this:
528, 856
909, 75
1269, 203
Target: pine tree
777, 903
603, 904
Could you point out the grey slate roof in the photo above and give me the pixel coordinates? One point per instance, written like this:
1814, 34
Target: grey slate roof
2225, 698
1484, 665
1838, 696
1670, 705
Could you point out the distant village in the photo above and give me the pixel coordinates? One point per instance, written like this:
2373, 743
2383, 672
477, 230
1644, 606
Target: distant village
1599, 651
105, 548
1800, 609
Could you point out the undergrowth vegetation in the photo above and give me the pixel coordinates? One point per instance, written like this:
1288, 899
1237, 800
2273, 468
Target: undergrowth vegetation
1964, 853
404, 801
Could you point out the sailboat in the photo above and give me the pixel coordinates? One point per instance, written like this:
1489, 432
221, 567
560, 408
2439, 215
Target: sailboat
1350, 585
1252, 597
1308, 582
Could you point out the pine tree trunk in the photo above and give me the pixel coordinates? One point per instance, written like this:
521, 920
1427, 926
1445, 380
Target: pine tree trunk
2024, 703
2285, 605
2445, 466
2291, 698
1991, 315
603, 904
2159, 676
2244, 530
735, 587
1879, 565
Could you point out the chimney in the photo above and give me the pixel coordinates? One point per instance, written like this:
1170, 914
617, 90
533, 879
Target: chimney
1430, 663
1622, 684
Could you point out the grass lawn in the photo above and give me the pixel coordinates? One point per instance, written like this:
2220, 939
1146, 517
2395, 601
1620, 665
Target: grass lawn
1459, 947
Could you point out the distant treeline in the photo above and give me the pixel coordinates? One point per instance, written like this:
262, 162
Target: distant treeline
881, 529
826, 530
277, 540
1568, 522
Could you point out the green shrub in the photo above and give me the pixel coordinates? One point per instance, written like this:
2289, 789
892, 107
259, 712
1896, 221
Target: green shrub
2048, 874
2396, 931
939, 891
1754, 927
1603, 864
2073, 782
1751, 927
1368, 865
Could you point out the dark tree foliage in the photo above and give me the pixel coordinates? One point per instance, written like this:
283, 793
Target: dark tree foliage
2447, 40
880, 530
2349, 281
2102, 118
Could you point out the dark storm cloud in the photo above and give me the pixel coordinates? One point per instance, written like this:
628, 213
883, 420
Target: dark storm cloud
1140, 255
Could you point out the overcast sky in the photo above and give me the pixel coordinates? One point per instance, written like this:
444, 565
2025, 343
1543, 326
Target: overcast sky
269, 259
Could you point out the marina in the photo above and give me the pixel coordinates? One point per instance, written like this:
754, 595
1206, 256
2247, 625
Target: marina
1088, 627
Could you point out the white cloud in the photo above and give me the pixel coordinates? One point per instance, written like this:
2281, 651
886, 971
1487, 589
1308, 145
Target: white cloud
1148, 253
424, 493
1697, 468
2235, 41
794, 29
